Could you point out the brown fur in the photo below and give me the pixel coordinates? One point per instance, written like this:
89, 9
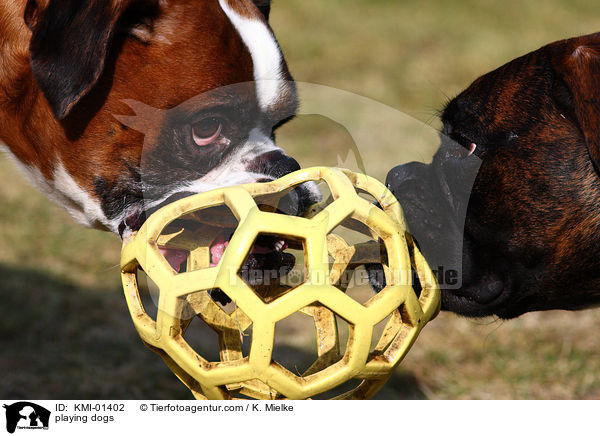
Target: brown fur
162, 71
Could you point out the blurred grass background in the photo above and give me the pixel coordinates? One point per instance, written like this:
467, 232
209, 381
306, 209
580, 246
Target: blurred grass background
64, 328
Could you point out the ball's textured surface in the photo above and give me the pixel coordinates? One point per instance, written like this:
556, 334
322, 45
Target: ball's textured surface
212, 272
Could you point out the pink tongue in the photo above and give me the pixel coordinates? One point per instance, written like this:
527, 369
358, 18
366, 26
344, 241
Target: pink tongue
217, 249
174, 257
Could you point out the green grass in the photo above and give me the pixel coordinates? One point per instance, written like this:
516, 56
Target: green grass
64, 328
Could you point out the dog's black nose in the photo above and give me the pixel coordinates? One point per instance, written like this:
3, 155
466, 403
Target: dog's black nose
286, 165
403, 173
274, 164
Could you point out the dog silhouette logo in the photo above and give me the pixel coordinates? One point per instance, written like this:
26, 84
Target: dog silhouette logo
26, 415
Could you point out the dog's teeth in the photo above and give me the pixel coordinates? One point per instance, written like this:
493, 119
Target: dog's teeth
472, 148
279, 245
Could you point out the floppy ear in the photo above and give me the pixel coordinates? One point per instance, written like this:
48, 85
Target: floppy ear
264, 6
579, 70
69, 46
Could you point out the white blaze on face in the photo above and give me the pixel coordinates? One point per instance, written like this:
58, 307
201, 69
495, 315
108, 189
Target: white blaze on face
265, 52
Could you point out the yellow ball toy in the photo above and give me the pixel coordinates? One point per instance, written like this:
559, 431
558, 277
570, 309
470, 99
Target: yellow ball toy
201, 275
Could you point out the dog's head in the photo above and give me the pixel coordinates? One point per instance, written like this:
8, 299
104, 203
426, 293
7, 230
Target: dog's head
526, 139
118, 105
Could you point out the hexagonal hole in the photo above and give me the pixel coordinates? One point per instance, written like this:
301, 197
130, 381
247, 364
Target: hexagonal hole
148, 292
331, 352
197, 240
203, 321
287, 202
357, 260
282, 203
275, 265
305, 342
295, 345
202, 339
353, 231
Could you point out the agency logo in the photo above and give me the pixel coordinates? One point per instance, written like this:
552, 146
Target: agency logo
26, 415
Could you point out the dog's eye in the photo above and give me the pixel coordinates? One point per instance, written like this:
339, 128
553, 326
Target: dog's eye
206, 131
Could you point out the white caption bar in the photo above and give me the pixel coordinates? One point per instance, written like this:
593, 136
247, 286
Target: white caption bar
246, 418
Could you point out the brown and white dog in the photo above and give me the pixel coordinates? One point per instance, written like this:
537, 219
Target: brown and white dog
206, 79
520, 157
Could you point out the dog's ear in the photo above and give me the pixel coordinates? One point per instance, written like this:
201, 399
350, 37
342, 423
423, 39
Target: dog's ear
264, 6
577, 89
69, 45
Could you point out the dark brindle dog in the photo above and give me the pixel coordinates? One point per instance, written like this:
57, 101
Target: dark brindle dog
532, 232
